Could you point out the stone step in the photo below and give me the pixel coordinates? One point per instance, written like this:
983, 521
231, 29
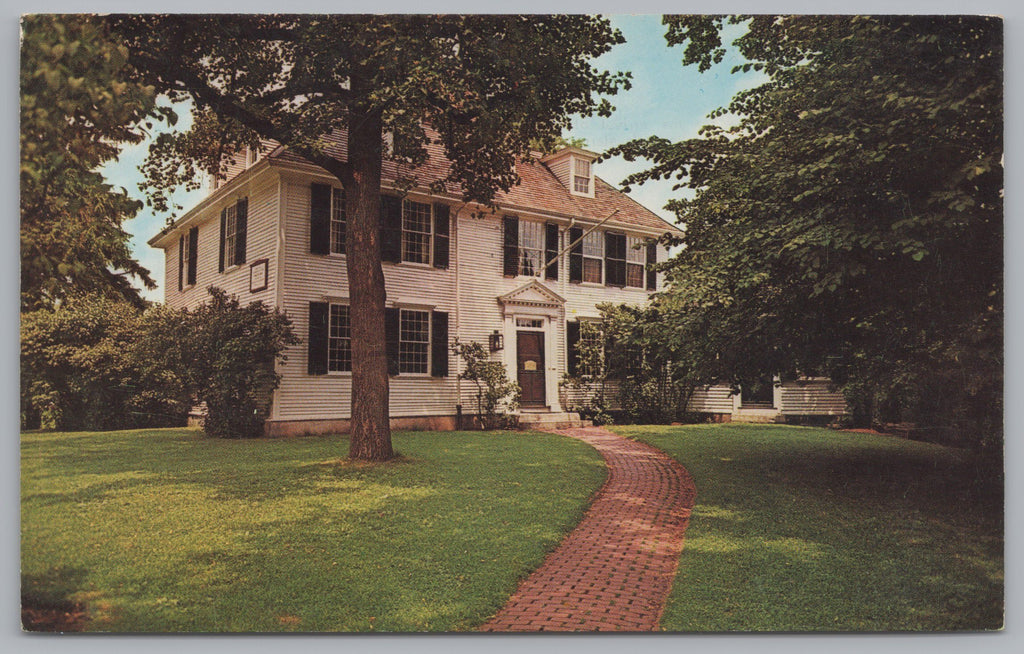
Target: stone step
551, 420
757, 415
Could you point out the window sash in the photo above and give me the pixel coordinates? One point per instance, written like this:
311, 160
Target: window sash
230, 234
186, 245
581, 176
590, 334
338, 221
417, 222
635, 275
593, 257
636, 261
531, 247
339, 340
414, 342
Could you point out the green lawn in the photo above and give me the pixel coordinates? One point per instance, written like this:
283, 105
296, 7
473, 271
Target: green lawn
165, 530
808, 529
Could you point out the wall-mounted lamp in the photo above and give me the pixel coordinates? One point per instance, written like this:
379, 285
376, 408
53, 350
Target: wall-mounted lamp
496, 340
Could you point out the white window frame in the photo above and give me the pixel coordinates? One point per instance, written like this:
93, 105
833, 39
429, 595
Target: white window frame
594, 242
332, 338
230, 235
537, 261
636, 257
429, 234
186, 259
598, 335
584, 178
337, 207
403, 342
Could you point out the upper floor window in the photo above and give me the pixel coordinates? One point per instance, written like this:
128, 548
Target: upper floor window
338, 221
593, 257
416, 231
529, 247
233, 229
581, 176
187, 258
636, 260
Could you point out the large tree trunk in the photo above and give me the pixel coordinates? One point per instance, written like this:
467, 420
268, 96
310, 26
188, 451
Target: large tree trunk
371, 431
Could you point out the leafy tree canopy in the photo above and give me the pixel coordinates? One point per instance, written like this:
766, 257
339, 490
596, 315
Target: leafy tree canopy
847, 219
77, 109
488, 85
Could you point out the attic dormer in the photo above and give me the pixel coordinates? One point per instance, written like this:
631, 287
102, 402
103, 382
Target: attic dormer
574, 168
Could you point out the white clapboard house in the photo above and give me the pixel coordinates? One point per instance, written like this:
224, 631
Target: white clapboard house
274, 231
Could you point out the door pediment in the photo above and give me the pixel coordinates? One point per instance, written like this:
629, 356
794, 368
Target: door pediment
533, 295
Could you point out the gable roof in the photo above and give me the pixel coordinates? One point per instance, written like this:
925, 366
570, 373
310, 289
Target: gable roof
539, 191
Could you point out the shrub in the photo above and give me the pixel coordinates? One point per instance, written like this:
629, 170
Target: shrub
496, 395
227, 354
83, 367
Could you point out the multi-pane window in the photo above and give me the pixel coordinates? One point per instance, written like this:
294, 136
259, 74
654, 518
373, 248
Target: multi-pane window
531, 247
416, 232
581, 176
338, 220
186, 262
230, 235
590, 349
339, 339
414, 341
593, 257
636, 260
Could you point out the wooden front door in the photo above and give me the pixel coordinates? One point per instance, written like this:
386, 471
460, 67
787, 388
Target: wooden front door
530, 358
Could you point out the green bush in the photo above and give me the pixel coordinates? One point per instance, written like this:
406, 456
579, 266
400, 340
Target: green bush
84, 366
227, 355
496, 395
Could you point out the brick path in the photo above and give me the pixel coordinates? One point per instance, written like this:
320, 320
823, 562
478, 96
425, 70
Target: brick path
614, 571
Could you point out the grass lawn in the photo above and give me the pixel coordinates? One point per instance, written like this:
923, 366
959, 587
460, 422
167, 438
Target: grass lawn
165, 530
809, 529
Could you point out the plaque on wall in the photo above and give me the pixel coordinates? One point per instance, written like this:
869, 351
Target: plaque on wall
258, 276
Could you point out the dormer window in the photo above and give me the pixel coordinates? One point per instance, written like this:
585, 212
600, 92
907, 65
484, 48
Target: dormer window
581, 176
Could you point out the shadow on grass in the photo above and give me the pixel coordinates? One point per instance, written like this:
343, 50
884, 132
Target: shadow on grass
46, 604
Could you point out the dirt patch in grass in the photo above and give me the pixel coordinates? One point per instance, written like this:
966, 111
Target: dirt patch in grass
52, 615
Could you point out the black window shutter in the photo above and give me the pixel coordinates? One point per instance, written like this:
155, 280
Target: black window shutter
241, 229
193, 255
511, 240
652, 258
439, 344
614, 259
318, 320
390, 228
392, 327
576, 255
572, 339
441, 235
550, 250
223, 227
181, 263
319, 219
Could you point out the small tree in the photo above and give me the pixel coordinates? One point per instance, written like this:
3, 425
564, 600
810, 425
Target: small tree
227, 353
496, 395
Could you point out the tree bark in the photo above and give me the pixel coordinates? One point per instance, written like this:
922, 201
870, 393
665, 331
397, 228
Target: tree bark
370, 434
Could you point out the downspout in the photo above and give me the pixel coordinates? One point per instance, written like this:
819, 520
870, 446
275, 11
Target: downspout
458, 312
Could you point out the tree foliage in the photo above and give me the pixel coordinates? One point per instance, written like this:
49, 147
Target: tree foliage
77, 109
226, 355
88, 364
487, 84
847, 218
102, 363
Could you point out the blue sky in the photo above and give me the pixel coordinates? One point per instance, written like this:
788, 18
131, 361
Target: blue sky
666, 100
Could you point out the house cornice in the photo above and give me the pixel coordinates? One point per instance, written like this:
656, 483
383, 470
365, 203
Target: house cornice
218, 195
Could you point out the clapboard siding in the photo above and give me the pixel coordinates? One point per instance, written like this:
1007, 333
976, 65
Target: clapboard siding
808, 397
711, 399
324, 278
279, 231
261, 242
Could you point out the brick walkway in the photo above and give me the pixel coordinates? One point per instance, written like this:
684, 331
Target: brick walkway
614, 571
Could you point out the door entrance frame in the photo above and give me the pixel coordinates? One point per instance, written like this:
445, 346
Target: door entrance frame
534, 301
